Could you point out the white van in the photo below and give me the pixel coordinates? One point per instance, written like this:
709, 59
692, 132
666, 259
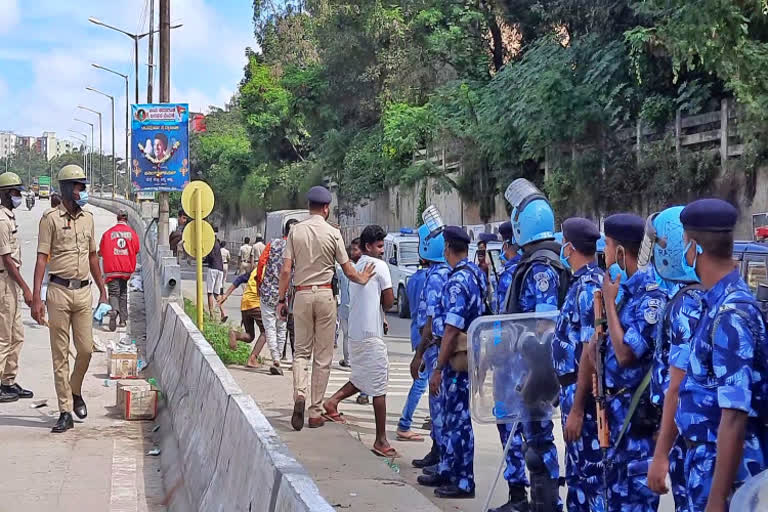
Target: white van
401, 252
276, 222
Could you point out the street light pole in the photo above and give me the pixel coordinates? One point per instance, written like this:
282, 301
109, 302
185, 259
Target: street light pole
114, 162
101, 147
165, 97
92, 142
85, 153
127, 119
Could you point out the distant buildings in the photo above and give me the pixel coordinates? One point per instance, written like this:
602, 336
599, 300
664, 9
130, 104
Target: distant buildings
47, 145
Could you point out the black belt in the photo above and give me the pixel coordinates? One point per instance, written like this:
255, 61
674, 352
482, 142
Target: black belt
72, 284
568, 379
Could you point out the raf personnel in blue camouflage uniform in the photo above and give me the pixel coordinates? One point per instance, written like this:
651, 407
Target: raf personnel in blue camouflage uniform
632, 326
461, 302
575, 327
721, 413
510, 251
664, 232
430, 249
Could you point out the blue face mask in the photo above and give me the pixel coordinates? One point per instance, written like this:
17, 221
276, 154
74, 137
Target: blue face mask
83, 199
615, 271
691, 269
563, 259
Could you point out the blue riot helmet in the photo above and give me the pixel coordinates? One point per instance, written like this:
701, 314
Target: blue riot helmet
532, 215
431, 248
664, 241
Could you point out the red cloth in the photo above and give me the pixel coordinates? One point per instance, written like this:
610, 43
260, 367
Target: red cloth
118, 248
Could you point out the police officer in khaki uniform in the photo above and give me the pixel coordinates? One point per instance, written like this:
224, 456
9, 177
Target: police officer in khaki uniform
66, 235
311, 252
11, 283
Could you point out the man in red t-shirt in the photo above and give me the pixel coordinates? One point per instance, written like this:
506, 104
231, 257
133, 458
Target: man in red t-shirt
118, 249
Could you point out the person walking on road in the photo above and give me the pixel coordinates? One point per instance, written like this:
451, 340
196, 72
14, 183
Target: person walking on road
312, 249
269, 267
257, 250
11, 283
250, 309
244, 257
370, 362
214, 279
66, 234
175, 238
118, 249
224, 263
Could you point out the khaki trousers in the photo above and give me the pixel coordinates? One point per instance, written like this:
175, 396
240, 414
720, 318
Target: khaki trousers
314, 315
69, 308
11, 331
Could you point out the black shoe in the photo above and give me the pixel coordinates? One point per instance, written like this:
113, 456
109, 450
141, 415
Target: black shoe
432, 458
122, 323
513, 506
430, 470
275, 370
430, 480
453, 492
343, 363
65, 423
79, 406
297, 420
7, 397
15, 388
112, 321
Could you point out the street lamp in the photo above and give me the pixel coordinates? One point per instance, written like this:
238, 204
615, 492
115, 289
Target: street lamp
114, 164
85, 142
101, 147
92, 142
135, 38
127, 114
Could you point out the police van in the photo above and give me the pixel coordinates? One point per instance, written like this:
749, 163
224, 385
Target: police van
401, 252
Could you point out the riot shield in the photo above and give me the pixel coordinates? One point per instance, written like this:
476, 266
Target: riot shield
753, 495
512, 377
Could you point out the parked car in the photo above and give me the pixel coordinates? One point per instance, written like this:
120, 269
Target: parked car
401, 252
753, 262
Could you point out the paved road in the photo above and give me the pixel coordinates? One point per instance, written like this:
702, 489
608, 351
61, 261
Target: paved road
101, 463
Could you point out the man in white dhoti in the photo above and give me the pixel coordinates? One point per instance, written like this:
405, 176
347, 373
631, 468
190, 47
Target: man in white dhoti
367, 350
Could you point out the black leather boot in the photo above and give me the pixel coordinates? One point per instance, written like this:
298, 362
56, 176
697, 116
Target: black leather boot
65, 423
79, 406
432, 458
15, 388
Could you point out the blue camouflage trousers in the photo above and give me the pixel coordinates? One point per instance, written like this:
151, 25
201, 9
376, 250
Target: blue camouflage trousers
583, 459
677, 475
435, 402
514, 473
700, 469
457, 443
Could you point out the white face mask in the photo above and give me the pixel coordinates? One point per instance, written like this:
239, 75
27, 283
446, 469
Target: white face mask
16, 201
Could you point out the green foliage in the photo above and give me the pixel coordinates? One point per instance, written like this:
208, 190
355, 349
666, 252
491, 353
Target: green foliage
217, 335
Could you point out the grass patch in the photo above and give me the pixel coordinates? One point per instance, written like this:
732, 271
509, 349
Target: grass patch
218, 336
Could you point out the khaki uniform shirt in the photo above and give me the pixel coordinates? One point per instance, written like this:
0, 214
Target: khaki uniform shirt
9, 244
245, 253
314, 246
68, 241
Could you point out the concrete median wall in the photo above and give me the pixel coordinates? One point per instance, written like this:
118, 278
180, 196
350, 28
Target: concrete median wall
229, 458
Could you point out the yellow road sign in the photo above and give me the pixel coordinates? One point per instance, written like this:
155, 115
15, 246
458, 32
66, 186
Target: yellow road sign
206, 199
207, 239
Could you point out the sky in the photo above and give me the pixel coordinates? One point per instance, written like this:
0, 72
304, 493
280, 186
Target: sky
47, 47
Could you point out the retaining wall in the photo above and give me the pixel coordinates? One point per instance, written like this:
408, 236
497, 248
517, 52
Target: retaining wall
229, 458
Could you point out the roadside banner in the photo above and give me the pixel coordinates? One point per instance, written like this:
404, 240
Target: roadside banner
159, 147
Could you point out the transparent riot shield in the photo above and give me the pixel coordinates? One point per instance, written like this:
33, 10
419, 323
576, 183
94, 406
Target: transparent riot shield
512, 377
753, 495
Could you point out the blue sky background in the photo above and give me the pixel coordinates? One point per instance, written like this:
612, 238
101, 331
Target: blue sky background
47, 47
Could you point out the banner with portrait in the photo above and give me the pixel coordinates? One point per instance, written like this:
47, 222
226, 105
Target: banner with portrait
160, 147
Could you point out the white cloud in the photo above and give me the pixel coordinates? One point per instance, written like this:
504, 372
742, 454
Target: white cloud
9, 15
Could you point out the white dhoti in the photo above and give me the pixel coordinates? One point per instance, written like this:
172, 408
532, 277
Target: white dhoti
370, 366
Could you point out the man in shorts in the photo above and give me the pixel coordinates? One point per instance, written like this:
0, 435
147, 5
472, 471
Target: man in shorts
214, 277
250, 309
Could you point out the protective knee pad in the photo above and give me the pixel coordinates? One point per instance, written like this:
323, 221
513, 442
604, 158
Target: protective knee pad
544, 490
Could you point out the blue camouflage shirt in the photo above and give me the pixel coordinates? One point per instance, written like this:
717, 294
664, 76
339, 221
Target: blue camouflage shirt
727, 364
462, 296
429, 302
672, 349
640, 311
540, 289
505, 280
576, 323
413, 289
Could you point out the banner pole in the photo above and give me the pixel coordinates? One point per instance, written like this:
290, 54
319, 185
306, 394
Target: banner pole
199, 255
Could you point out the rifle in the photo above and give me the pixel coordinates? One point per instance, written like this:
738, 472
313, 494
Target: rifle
598, 387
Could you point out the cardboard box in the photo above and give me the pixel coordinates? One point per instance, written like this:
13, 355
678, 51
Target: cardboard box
140, 404
134, 385
123, 365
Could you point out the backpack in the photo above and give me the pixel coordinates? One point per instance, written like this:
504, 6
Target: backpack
547, 253
478, 279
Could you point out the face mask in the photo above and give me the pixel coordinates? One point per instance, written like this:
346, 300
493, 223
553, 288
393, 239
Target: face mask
563, 259
691, 268
16, 201
615, 270
83, 199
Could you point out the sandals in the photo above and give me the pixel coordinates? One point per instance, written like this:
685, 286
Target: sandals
336, 417
409, 435
390, 454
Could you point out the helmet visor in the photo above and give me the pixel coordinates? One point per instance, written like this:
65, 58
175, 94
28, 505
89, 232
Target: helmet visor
521, 192
650, 240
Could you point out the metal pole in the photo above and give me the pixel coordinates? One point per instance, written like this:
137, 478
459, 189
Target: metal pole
165, 96
127, 140
114, 163
199, 254
151, 59
101, 153
136, 64
92, 141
